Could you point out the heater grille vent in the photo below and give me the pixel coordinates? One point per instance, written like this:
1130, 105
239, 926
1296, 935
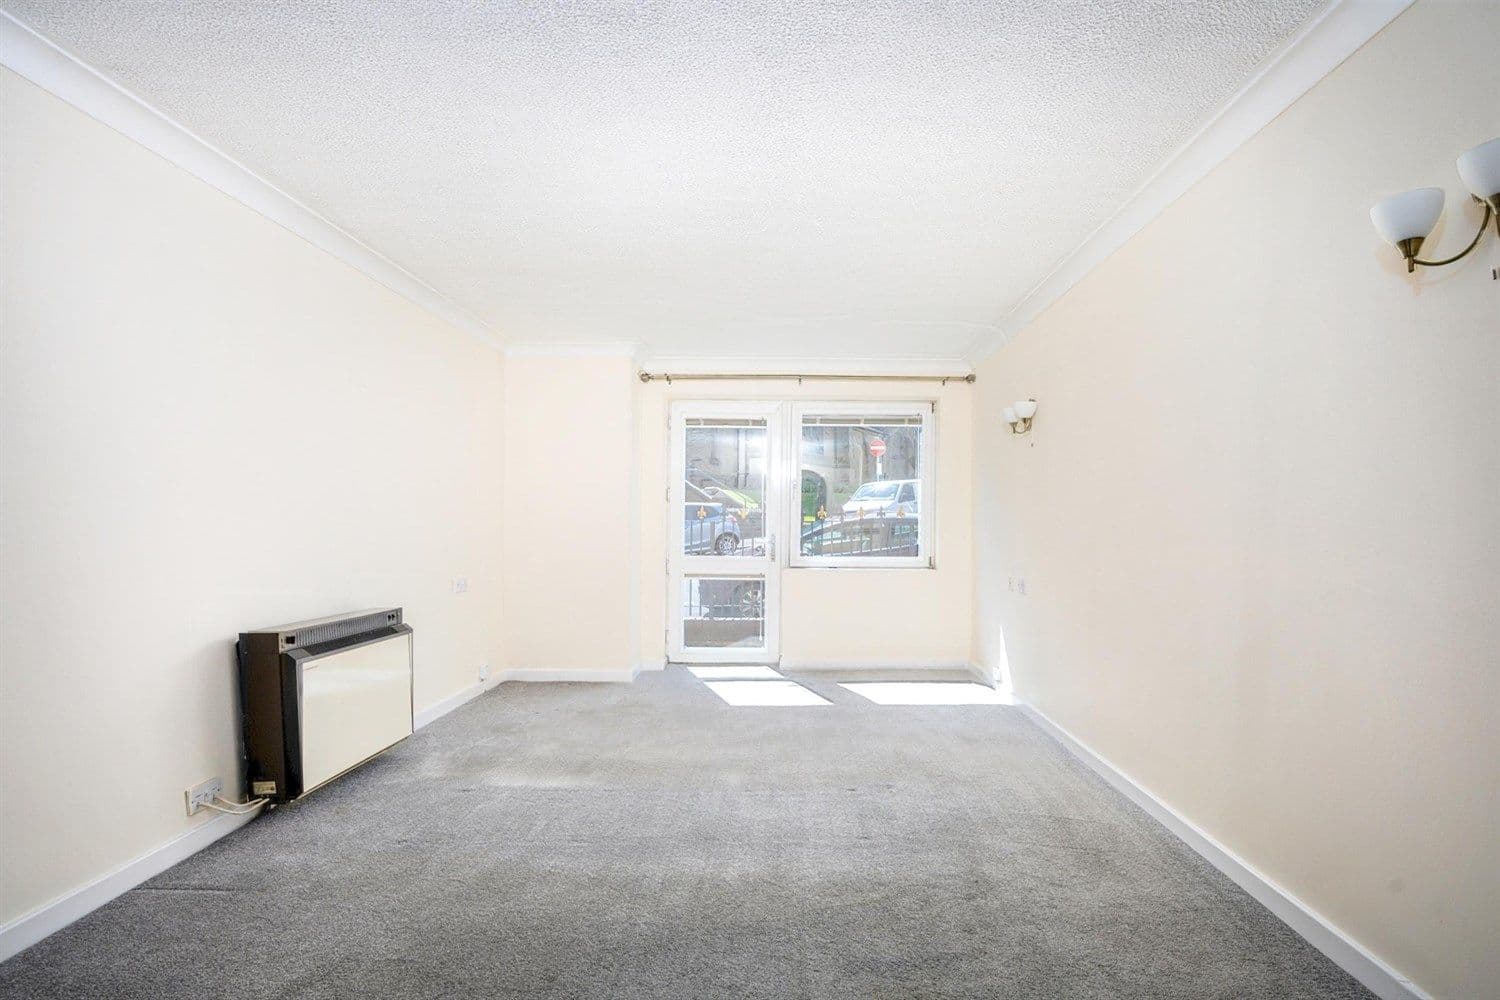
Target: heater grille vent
320, 630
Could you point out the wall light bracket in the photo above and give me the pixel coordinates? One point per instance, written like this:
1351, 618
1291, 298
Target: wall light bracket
1019, 415
1407, 219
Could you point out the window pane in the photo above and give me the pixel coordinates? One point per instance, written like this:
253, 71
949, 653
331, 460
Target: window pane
861, 489
719, 612
723, 512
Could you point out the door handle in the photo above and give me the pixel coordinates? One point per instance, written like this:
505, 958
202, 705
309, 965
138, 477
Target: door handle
771, 547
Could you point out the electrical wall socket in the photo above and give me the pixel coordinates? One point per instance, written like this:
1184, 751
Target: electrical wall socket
484, 671
203, 793
460, 585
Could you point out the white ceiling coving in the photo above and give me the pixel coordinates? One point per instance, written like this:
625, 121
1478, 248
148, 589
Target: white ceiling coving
830, 180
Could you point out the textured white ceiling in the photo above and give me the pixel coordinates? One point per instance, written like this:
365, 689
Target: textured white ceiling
847, 179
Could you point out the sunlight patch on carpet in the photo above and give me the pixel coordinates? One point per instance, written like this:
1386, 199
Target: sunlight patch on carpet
743, 694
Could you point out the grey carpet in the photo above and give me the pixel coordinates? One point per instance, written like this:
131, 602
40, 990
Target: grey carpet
647, 840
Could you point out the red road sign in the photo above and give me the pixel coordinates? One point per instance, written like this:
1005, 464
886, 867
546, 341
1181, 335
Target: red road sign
877, 447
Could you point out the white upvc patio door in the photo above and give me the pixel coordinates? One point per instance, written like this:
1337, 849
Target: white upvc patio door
725, 510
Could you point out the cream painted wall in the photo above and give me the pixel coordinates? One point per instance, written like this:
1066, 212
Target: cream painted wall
570, 488
843, 616
206, 425
1259, 514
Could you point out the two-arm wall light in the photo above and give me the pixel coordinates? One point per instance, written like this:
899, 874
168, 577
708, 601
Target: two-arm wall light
1019, 414
1407, 219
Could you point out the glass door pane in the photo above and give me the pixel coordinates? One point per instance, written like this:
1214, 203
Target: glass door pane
724, 487
723, 612
724, 503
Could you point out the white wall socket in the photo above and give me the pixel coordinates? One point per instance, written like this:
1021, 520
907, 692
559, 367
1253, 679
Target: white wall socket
203, 793
460, 585
484, 671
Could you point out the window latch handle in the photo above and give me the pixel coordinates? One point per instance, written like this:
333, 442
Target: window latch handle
771, 547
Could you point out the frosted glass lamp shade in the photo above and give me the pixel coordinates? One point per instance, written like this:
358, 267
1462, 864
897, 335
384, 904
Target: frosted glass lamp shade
1480, 170
1409, 215
1025, 408
1010, 416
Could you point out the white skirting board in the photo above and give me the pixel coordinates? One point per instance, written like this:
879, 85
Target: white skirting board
29, 928
1344, 951
441, 708
815, 666
622, 675
438, 709
980, 674
612, 675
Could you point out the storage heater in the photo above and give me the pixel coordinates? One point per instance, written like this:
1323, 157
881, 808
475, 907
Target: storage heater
321, 697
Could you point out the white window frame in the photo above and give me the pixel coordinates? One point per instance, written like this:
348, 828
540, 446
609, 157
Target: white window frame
926, 461
681, 566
